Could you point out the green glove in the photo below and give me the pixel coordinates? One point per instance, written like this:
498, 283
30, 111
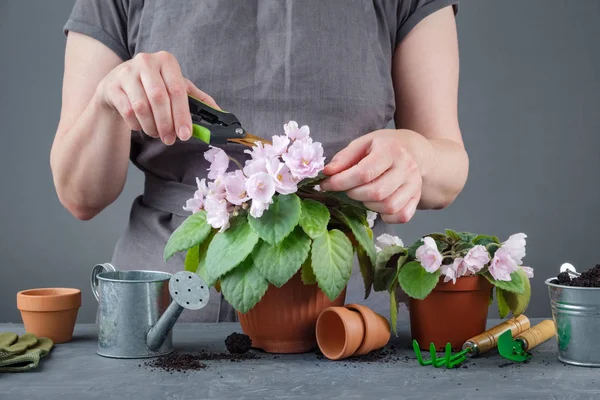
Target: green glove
18, 354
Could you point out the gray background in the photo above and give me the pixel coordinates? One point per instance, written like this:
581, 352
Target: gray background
529, 113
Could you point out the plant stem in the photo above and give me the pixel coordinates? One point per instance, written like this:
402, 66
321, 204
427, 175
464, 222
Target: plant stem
236, 162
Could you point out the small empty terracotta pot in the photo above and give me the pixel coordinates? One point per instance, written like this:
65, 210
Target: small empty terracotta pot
50, 312
339, 332
377, 329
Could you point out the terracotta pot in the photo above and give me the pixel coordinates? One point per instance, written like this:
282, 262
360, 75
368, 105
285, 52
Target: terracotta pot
285, 318
50, 312
354, 330
451, 313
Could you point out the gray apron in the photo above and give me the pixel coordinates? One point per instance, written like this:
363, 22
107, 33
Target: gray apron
326, 64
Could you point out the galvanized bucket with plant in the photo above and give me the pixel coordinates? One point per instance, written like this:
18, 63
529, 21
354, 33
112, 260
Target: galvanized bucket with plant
279, 249
450, 279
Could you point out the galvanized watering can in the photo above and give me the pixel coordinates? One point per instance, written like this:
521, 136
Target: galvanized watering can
135, 310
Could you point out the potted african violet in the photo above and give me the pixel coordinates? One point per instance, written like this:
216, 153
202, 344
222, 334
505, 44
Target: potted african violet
279, 249
450, 279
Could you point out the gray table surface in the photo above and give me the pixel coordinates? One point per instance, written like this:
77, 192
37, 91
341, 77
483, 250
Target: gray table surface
74, 371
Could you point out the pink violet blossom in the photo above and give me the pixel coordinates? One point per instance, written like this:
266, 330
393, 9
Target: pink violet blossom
515, 245
260, 188
279, 146
476, 259
428, 255
284, 181
371, 217
387, 240
453, 271
235, 187
219, 162
528, 271
196, 203
217, 213
304, 159
502, 265
294, 133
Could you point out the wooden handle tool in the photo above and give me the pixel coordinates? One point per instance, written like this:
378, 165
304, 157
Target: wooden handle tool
488, 340
537, 334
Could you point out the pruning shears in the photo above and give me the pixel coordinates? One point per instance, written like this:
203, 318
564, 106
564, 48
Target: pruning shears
218, 127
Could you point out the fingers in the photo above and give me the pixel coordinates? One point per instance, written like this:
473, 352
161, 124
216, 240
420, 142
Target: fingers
379, 189
367, 170
200, 95
160, 102
177, 89
349, 156
141, 106
399, 199
121, 103
404, 215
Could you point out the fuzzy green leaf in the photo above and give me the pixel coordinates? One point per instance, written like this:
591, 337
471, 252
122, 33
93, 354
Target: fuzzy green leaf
518, 302
366, 270
453, 235
386, 267
491, 248
484, 240
314, 218
412, 250
307, 273
190, 233
202, 251
244, 286
331, 259
279, 220
280, 262
415, 281
393, 310
192, 259
503, 308
360, 232
312, 181
466, 236
228, 249
515, 285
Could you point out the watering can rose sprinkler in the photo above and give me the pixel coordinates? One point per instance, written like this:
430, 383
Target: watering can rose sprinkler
135, 313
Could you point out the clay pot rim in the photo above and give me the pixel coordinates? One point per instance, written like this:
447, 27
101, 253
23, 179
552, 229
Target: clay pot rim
463, 284
367, 315
336, 310
48, 299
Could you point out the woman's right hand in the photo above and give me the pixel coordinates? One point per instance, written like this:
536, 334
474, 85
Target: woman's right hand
150, 94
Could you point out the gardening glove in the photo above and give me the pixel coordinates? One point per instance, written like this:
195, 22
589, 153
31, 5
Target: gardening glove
18, 354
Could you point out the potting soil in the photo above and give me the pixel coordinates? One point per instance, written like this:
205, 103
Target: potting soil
589, 278
238, 343
182, 362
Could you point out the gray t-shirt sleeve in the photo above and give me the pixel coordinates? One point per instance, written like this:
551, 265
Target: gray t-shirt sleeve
105, 21
411, 12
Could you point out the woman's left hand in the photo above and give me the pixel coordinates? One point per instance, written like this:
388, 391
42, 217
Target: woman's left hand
380, 170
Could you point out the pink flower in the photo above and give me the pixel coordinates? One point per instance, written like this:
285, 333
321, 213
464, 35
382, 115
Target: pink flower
260, 188
502, 265
217, 188
260, 159
281, 175
217, 214
528, 271
219, 162
294, 133
476, 259
280, 145
305, 159
453, 271
196, 203
387, 240
371, 217
515, 246
428, 255
235, 187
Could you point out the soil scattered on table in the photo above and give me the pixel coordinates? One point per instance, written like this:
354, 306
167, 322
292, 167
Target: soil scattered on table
589, 278
183, 362
386, 355
238, 343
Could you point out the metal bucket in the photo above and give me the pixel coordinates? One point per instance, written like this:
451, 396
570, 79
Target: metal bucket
576, 313
129, 304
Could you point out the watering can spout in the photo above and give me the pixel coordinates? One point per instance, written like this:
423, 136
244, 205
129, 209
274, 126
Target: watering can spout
187, 290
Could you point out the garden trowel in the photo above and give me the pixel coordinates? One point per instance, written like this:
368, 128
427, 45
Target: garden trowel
517, 349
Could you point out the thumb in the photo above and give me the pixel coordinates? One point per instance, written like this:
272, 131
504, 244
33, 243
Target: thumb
193, 91
349, 156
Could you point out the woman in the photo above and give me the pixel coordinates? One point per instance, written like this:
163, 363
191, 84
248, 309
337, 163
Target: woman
345, 68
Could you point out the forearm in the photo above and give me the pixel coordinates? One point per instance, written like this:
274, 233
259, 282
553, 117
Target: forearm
444, 167
89, 161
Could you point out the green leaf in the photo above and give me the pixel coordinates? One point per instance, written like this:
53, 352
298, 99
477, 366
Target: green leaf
484, 240
312, 181
331, 259
453, 235
462, 247
491, 297
515, 285
393, 310
503, 308
314, 218
366, 270
466, 236
202, 251
244, 286
191, 232
386, 267
192, 259
491, 248
228, 249
412, 250
280, 262
518, 302
307, 273
343, 198
360, 233
415, 281
279, 220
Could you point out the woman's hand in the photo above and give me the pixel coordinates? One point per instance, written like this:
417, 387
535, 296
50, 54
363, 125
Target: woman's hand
150, 94
381, 169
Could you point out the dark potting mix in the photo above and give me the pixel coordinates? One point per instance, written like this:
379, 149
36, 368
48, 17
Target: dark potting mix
589, 278
238, 343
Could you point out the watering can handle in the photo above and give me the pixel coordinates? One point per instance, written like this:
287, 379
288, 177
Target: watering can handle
99, 268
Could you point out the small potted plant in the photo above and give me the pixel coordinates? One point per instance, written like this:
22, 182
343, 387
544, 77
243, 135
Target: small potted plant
279, 249
450, 279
